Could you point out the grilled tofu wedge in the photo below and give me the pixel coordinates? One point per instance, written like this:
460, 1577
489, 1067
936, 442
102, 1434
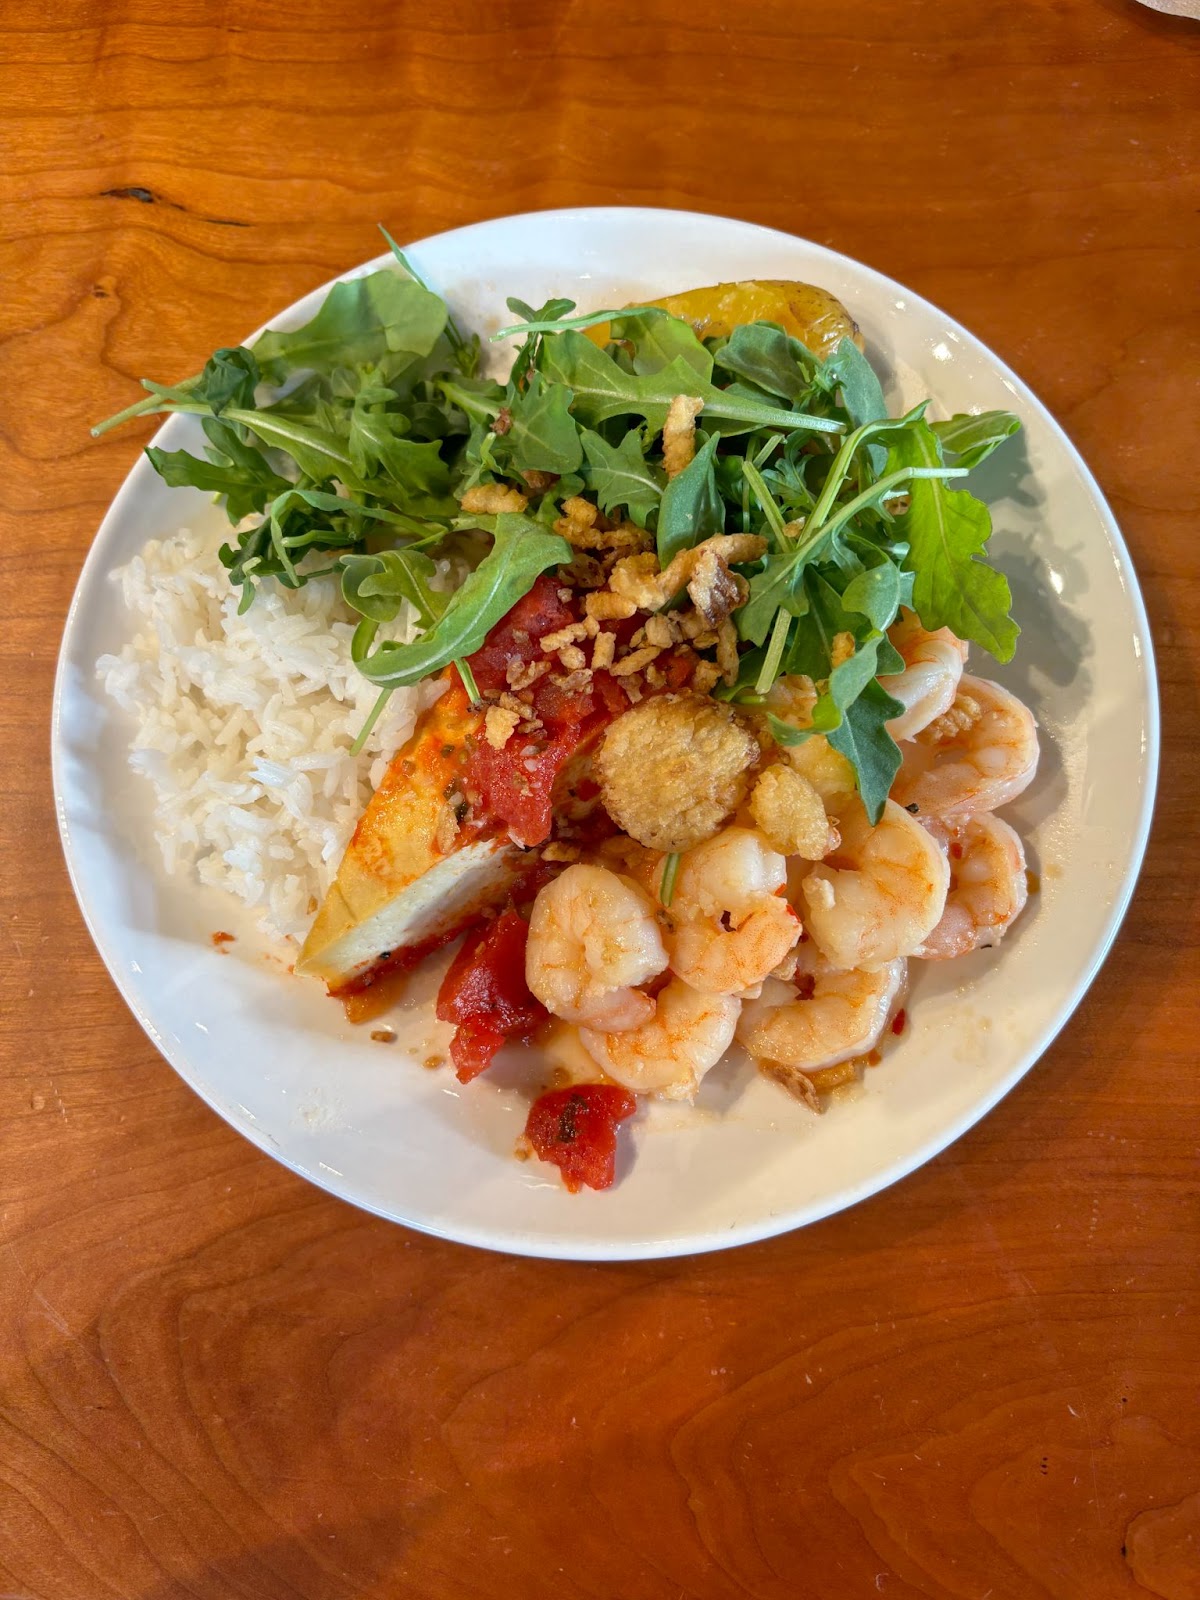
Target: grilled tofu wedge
410, 878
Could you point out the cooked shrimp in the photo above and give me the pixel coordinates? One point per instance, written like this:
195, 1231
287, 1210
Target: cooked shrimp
823, 1017
980, 755
731, 924
669, 1054
593, 938
988, 887
933, 665
881, 894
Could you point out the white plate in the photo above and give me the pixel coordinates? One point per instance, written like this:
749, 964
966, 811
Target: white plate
277, 1059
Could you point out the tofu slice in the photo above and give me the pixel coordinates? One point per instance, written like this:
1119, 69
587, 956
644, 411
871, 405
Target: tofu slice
407, 880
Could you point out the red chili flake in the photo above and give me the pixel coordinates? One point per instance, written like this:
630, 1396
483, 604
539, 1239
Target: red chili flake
899, 1021
956, 850
220, 940
576, 1130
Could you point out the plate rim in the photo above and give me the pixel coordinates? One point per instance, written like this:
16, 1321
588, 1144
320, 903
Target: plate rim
561, 1246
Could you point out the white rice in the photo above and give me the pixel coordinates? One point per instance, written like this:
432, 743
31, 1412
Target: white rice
244, 725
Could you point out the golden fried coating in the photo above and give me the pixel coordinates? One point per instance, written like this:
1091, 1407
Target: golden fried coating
679, 433
789, 812
636, 578
491, 498
499, 725
673, 768
715, 591
730, 547
583, 527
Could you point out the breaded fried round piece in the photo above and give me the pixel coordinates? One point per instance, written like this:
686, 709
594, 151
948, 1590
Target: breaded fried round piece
673, 768
790, 813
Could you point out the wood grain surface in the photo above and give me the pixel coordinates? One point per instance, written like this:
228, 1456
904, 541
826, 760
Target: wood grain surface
217, 1382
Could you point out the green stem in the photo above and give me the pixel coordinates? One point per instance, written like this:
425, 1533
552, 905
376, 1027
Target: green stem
586, 319
877, 491
153, 405
770, 667
364, 733
468, 681
766, 501
666, 887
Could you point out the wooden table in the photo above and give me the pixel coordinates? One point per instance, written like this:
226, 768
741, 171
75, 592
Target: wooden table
217, 1382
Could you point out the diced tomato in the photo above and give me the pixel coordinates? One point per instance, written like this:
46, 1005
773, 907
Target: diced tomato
517, 636
472, 1049
515, 785
613, 697
485, 992
576, 1129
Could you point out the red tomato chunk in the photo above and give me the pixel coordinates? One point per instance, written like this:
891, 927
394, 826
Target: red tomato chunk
517, 637
486, 994
576, 1129
515, 784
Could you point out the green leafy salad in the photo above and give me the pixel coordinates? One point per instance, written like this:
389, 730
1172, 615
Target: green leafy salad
347, 446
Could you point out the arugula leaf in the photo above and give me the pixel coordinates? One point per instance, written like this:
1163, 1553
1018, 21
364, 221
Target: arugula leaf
864, 740
479, 399
378, 444
692, 508
620, 475
551, 320
812, 652
973, 438
552, 311
526, 356
603, 389
522, 551
467, 352
230, 378
878, 593
778, 587
786, 734
947, 530
375, 585
343, 526
659, 339
543, 435
780, 583
766, 356
861, 391
235, 470
825, 617
359, 321
319, 453
862, 394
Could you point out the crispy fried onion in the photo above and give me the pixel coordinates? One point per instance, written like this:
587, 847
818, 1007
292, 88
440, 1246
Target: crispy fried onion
584, 527
679, 433
713, 589
490, 499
